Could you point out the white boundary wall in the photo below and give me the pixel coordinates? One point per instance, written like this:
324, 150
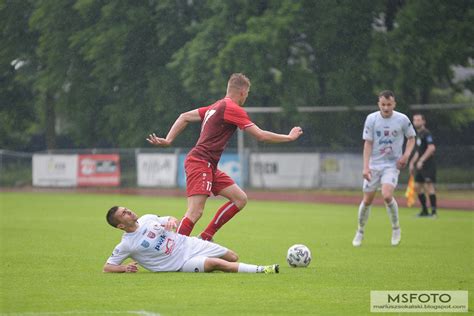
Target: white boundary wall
55, 170
266, 170
157, 170
284, 170
305, 171
341, 170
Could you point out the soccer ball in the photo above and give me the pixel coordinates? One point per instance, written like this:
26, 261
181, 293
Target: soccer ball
298, 256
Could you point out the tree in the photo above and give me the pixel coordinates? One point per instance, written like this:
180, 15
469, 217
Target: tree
427, 39
17, 114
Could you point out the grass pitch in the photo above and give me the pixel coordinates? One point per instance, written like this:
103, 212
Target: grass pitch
53, 247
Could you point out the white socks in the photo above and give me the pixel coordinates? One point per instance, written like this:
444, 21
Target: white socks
392, 210
364, 211
248, 268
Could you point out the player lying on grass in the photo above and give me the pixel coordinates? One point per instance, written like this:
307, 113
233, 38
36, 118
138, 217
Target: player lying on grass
151, 242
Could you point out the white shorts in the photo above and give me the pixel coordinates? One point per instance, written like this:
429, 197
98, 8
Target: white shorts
379, 177
199, 253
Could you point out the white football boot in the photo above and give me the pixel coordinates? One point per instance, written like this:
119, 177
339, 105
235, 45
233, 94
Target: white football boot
358, 239
396, 236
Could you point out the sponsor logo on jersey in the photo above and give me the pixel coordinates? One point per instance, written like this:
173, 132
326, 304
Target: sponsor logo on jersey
385, 141
160, 242
169, 246
386, 150
151, 235
145, 244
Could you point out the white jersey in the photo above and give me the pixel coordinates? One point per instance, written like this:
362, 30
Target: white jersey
153, 247
387, 135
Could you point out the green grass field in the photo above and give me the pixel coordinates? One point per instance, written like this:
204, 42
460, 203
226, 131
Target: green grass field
53, 247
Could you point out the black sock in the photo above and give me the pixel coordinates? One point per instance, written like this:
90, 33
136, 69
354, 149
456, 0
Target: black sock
433, 202
422, 199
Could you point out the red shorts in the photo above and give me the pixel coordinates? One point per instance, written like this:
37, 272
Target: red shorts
202, 178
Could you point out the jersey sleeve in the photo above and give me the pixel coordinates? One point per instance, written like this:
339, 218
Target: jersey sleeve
368, 133
163, 220
429, 139
408, 128
202, 111
234, 114
119, 255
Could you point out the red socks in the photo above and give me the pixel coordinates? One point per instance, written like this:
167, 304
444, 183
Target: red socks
185, 226
223, 215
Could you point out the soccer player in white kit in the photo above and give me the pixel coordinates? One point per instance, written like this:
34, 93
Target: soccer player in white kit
151, 242
384, 134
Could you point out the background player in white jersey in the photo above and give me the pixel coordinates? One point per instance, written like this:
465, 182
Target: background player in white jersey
384, 134
151, 242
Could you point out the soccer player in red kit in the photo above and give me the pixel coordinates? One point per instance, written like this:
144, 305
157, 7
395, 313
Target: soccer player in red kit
219, 122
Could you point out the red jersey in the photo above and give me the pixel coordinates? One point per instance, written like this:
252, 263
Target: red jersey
219, 122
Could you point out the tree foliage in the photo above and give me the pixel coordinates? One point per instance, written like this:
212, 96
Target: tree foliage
83, 73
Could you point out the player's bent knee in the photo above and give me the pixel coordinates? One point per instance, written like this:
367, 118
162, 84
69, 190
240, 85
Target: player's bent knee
241, 200
368, 198
211, 264
194, 215
388, 198
231, 256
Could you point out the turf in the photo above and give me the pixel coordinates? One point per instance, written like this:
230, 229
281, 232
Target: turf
53, 247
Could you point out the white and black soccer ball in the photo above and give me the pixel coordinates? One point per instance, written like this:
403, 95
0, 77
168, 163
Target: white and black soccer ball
298, 256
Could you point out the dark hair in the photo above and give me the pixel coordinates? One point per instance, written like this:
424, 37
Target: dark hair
387, 94
111, 216
422, 115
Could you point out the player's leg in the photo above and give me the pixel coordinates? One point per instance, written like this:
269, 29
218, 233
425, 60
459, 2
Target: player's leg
224, 185
364, 209
430, 189
419, 188
196, 204
206, 264
430, 176
198, 189
369, 189
230, 256
218, 264
389, 183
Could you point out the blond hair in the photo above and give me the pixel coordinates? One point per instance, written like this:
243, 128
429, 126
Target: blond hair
238, 81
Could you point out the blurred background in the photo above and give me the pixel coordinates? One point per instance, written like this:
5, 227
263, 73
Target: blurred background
83, 82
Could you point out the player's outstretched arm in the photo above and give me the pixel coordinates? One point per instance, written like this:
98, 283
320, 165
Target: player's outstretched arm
112, 268
270, 137
179, 125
